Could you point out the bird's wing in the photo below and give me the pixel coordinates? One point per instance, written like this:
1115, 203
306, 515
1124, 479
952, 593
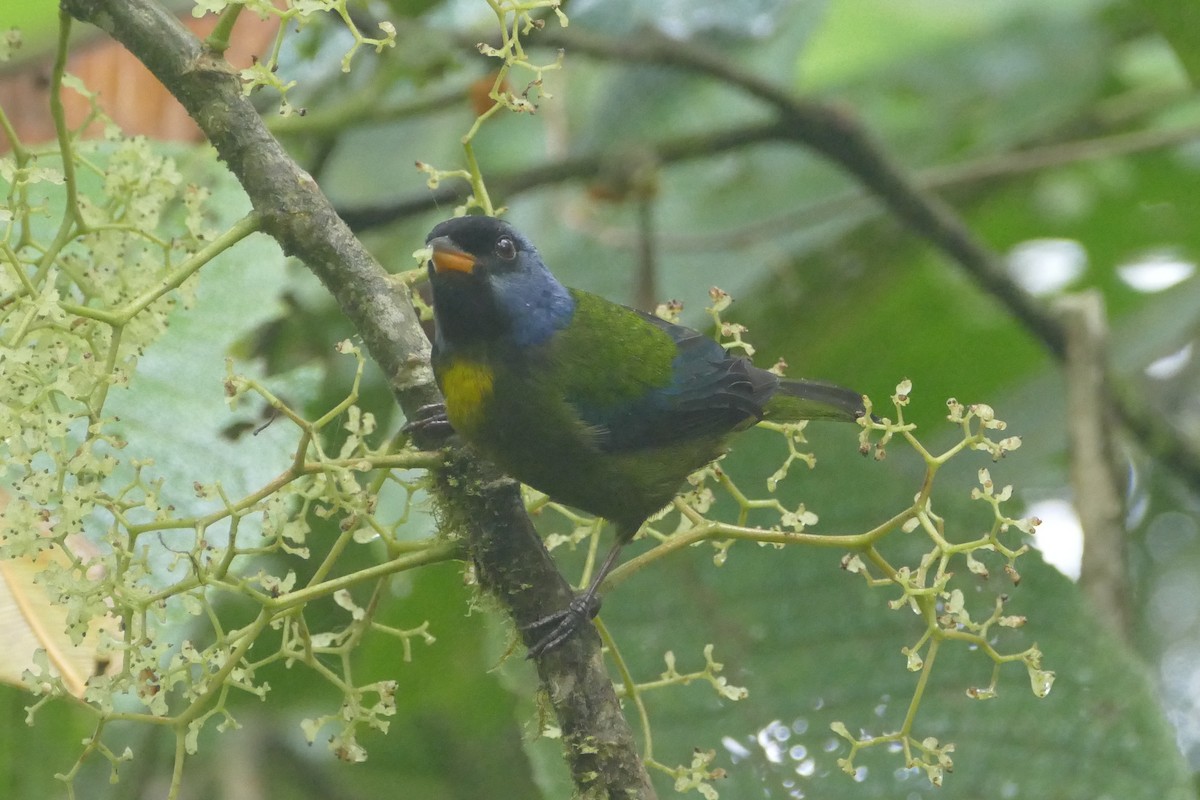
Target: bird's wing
637, 381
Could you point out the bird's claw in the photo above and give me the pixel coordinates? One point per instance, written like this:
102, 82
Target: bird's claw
562, 625
429, 419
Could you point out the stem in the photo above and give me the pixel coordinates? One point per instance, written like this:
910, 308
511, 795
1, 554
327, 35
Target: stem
96, 406
478, 188
20, 154
251, 223
248, 635
442, 551
58, 112
713, 530
72, 217
589, 563
631, 689
331, 558
918, 693
218, 40
180, 755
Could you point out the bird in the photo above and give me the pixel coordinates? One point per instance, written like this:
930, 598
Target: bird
597, 405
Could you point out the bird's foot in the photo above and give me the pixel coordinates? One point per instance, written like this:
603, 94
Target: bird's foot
429, 420
562, 625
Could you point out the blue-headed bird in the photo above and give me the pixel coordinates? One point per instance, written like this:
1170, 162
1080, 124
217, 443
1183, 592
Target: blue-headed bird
598, 405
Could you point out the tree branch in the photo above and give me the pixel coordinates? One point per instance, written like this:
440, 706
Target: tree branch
1096, 475
670, 151
511, 560
835, 133
693, 146
839, 136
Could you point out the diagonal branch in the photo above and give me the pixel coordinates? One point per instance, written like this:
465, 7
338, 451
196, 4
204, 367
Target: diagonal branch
586, 166
511, 560
839, 136
834, 132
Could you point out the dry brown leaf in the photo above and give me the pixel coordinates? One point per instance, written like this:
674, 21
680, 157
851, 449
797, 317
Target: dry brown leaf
29, 621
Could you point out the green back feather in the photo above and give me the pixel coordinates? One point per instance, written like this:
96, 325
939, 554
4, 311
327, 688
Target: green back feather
609, 354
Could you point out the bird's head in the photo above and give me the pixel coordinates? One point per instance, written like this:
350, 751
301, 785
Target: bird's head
490, 282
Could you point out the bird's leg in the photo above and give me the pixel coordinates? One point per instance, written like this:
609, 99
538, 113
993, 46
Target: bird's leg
430, 418
562, 625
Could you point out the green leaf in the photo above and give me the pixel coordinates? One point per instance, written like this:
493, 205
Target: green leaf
1179, 23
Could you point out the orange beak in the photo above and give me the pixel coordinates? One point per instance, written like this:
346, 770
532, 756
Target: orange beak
448, 257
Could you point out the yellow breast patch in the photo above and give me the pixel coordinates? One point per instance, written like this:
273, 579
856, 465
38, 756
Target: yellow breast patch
467, 385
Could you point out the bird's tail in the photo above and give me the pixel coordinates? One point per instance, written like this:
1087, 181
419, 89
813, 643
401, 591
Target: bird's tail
798, 400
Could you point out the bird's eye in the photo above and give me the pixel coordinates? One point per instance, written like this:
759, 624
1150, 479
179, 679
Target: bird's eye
506, 248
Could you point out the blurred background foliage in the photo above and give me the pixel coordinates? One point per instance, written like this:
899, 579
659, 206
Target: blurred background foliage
961, 93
